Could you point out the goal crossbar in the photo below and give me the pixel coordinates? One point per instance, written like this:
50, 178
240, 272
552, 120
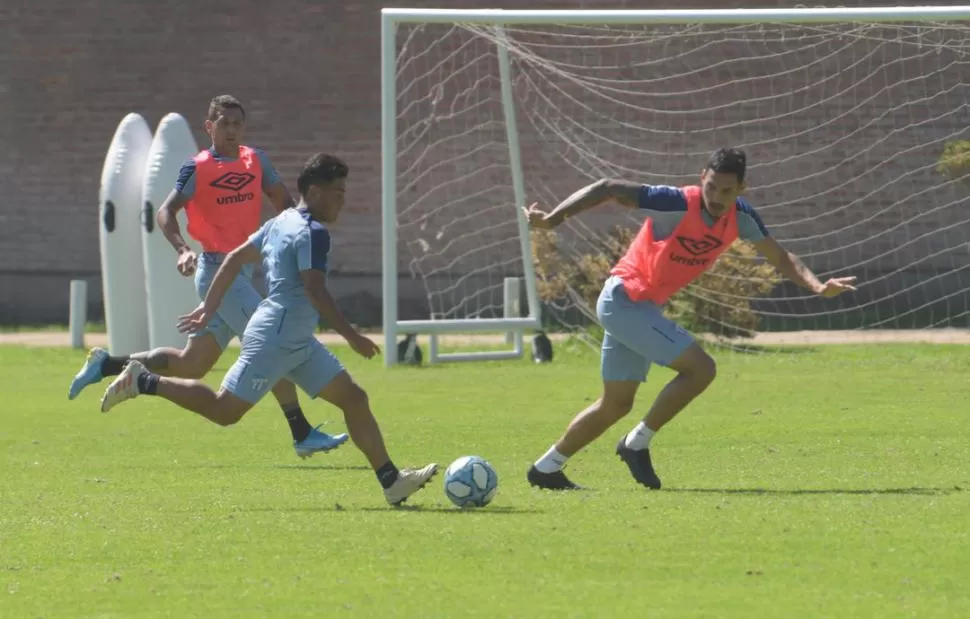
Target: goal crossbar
498, 17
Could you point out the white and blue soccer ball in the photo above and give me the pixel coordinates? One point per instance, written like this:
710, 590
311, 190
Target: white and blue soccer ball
471, 481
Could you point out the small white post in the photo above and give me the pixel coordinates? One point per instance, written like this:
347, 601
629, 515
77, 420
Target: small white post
78, 312
510, 305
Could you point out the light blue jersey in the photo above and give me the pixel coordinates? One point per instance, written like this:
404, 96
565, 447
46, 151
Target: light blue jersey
279, 340
291, 243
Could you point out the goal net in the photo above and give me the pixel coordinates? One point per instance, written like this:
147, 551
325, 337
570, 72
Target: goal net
855, 128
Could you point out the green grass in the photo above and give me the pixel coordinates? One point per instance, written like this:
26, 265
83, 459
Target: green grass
90, 327
830, 483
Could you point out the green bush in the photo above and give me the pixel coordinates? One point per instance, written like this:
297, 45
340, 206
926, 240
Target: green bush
718, 302
954, 163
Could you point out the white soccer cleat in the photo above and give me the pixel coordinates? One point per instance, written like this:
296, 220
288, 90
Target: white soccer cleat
125, 387
408, 482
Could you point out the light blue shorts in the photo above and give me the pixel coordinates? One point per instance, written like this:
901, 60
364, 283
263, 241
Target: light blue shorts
637, 335
270, 354
237, 306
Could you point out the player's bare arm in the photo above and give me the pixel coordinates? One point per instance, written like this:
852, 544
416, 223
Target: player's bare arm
604, 190
195, 321
167, 221
315, 285
279, 196
789, 265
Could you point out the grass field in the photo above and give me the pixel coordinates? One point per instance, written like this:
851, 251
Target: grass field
827, 483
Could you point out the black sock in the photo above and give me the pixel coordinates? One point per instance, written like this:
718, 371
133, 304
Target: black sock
299, 426
148, 383
387, 475
112, 366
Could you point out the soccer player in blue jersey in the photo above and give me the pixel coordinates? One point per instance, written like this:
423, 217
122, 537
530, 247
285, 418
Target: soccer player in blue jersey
219, 229
279, 340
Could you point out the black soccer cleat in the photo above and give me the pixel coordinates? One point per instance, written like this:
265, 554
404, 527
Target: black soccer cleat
638, 460
550, 481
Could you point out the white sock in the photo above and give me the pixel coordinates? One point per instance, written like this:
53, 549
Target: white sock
639, 437
551, 462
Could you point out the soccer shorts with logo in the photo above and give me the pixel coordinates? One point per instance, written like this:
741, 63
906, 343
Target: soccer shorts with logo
270, 354
237, 306
637, 334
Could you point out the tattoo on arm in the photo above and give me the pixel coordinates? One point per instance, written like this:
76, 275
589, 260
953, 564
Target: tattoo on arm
622, 192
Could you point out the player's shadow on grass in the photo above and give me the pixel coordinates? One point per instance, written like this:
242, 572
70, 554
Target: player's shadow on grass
796, 492
445, 509
305, 467
323, 467
493, 510
762, 349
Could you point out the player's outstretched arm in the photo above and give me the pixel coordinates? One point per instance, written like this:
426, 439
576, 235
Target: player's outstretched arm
604, 190
235, 260
315, 286
789, 265
167, 221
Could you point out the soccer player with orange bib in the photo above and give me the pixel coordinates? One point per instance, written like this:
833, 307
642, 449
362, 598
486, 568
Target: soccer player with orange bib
686, 229
221, 191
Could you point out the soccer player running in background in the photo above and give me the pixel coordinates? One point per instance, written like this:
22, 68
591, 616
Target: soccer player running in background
221, 192
685, 231
279, 340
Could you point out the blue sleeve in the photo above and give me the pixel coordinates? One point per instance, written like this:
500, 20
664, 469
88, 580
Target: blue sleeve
258, 238
750, 226
185, 184
270, 175
662, 198
313, 249
666, 206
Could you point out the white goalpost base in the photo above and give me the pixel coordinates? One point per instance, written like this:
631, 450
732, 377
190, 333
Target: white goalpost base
511, 307
844, 114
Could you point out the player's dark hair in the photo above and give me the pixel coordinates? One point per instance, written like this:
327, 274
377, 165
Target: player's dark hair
320, 169
728, 161
222, 103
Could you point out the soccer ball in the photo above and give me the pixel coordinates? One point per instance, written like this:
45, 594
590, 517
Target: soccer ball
470, 481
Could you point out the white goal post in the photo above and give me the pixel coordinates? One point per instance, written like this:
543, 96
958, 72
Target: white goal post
512, 325
454, 180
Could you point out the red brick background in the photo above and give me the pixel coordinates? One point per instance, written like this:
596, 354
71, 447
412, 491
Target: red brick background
308, 72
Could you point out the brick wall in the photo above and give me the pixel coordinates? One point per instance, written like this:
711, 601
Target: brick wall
309, 75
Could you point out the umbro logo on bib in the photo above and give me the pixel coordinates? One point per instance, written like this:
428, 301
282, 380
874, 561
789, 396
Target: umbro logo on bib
699, 247
233, 181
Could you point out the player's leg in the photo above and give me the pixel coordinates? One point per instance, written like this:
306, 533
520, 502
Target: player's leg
637, 334
323, 375
193, 361
642, 328
222, 407
261, 364
237, 307
695, 372
306, 440
623, 371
